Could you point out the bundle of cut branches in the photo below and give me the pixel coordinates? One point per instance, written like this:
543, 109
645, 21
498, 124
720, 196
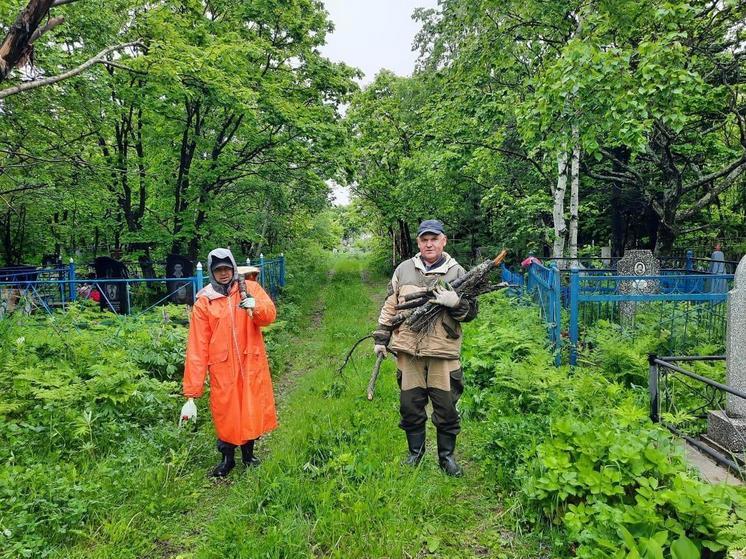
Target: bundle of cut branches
419, 313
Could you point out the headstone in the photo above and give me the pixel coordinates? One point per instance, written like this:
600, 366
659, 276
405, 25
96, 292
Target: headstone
182, 292
113, 295
606, 255
717, 267
636, 263
51, 261
729, 428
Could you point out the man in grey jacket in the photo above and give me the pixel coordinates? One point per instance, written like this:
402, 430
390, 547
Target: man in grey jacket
428, 363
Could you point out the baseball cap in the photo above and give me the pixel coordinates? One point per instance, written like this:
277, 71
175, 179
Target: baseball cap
431, 226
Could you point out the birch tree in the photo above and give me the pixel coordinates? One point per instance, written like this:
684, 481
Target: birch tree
574, 195
558, 209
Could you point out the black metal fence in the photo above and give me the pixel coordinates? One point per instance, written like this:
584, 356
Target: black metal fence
683, 400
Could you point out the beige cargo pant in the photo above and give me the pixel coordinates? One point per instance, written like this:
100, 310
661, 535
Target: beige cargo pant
429, 378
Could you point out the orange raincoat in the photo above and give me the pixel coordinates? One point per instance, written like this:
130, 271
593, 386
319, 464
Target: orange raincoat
225, 340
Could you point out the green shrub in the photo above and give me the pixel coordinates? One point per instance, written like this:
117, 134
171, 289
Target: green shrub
577, 446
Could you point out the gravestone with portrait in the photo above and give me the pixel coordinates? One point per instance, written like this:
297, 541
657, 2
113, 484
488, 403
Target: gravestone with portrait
636, 263
113, 294
181, 292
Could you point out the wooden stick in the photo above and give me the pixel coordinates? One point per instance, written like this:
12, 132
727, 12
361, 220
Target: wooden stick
374, 376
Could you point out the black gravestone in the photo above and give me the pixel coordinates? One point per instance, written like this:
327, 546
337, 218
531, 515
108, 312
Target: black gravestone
113, 295
182, 292
51, 261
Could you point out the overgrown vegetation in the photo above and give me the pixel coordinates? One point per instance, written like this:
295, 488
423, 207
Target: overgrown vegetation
87, 423
89, 446
559, 463
579, 452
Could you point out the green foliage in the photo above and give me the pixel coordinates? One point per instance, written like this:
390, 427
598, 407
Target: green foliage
88, 417
500, 88
226, 128
616, 477
622, 354
577, 447
79, 390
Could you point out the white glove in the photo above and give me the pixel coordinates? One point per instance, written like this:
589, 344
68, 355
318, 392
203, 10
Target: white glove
247, 303
380, 349
188, 412
446, 297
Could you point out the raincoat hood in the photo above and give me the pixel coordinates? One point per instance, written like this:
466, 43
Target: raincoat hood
221, 254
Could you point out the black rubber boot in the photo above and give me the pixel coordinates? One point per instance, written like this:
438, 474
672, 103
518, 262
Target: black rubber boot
446, 446
416, 442
226, 464
247, 455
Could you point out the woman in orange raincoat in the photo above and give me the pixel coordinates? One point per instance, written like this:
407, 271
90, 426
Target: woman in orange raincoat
225, 338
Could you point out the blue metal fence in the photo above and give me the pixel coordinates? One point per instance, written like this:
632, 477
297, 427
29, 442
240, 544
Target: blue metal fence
49, 288
686, 262
543, 285
514, 279
693, 300
689, 302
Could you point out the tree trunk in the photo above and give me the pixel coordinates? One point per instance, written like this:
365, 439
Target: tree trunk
96, 235
265, 224
558, 211
406, 240
653, 226
17, 43
574, 195
665, 240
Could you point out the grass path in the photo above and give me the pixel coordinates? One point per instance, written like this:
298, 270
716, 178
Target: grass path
332, 483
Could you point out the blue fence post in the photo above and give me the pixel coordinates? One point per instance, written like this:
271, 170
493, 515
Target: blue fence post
71, 278
198, 279
262, 276
530, 279
282, 269
574, 307
554, 311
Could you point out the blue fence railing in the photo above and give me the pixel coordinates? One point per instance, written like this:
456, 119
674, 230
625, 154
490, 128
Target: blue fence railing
686, 262
514, 279
49, 288
543, 286
601, 296
696, 300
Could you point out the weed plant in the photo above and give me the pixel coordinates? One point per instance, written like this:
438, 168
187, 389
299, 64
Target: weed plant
90, 451
577, 449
